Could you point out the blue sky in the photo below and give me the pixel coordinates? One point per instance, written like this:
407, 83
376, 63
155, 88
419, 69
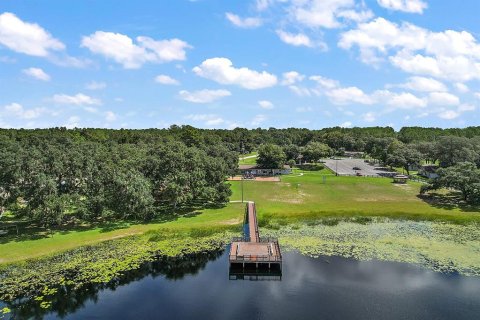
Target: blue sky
252, 63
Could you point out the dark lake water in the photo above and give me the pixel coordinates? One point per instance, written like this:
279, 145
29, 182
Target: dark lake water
322, 288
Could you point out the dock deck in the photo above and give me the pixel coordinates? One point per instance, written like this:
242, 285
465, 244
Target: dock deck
252, 249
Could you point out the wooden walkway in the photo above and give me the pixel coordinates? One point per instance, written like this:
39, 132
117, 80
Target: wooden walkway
252, 249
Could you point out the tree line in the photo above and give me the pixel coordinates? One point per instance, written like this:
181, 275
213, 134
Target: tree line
53, 176
54, 179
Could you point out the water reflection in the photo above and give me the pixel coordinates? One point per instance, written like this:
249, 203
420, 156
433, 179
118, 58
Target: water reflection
323, 288
68, 300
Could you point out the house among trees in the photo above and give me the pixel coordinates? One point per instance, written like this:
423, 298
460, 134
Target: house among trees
428, 171
255, 170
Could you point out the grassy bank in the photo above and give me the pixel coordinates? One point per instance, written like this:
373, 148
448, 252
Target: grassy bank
302, 196
32, 246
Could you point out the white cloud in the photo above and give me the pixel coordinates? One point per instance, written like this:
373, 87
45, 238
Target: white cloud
203, 96
449, 55
263, 4
222, 71
208, 119
258, 120
327, 13
466, 107
461, 87
297, 40
79, 99
349, 95
424, 85
18, 111
325, 82
36, 73
94, 85
406, 101
346, 124
123, 50
164, 79
243, 22
72, 122
27, 38
292, 77
110, 116
443, 99
411, 6
265, 104
300, 91
449, 114
369, 117
477, 95
303, 109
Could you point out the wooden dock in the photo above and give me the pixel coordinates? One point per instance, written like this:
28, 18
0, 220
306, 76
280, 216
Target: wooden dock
251, 249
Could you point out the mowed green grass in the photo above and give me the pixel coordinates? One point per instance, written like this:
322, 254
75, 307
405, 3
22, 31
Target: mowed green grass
249, 158
296, 198
16, 250
311, 197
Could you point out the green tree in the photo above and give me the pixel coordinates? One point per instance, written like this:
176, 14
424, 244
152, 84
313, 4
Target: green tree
452, 150
314, 151
270, 156
404, 157
464, 177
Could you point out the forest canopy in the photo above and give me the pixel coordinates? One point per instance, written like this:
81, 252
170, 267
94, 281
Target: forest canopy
53, 176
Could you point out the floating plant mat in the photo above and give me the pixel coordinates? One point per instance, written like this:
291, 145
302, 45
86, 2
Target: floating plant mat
439, 246
101, 263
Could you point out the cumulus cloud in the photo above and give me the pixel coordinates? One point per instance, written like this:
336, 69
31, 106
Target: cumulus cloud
265, 104
132, 55
297, 40
27, 38
208, 119
18, 111
424, 85
327, 13
36, 73
263, 4
110, 116
203, 96
79, 99
243, 22
349, 95
300, 91
369, 117
258, 120
450, 55
167, 80
461, 87
406, 100
449, 114
221, 70
94, 85
292, 77
346, 124
443, 99
411, 6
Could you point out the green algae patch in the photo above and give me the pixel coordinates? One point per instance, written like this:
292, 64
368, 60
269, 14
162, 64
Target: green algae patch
438, 246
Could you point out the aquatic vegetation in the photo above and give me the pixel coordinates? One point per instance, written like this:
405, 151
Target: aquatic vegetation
38, 279
439, 246
4, 311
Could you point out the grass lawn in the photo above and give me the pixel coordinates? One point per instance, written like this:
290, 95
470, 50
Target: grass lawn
307, 197
20, 249
249, 158
300, 196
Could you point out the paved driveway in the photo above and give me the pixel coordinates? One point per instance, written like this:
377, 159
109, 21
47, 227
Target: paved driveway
345, 167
